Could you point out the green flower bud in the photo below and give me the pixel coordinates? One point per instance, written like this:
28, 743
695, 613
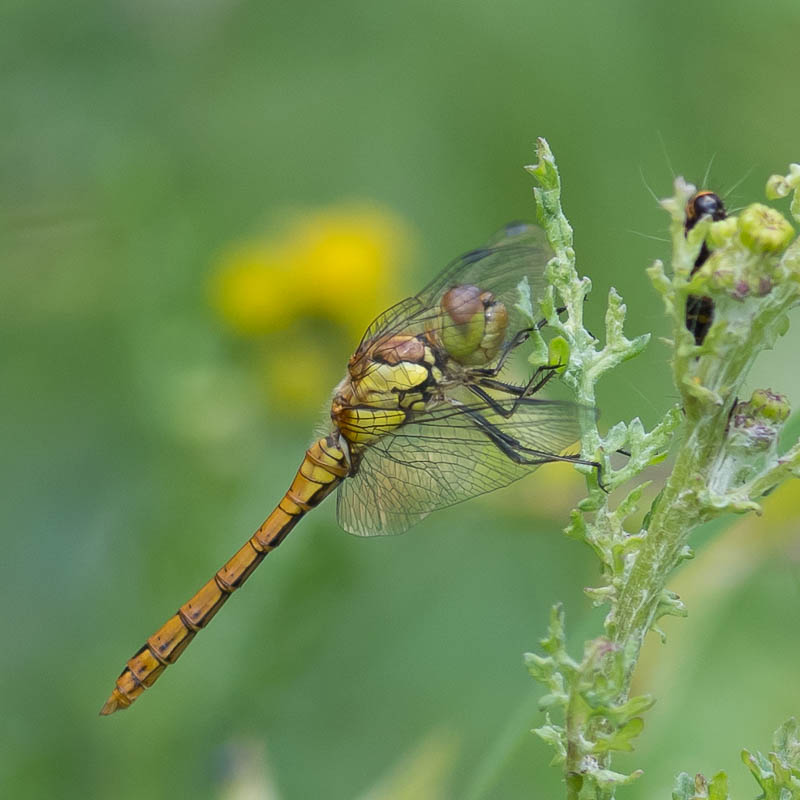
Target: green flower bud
722, 278
751, 444
769, 405
779, 186
764, 230
722, 231
755, 425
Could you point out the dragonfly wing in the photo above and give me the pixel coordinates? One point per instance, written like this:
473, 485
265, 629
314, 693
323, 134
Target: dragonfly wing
519, 233
392, 319
444, 457
518, 252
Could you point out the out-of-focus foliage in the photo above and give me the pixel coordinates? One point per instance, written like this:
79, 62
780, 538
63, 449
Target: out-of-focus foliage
306, 293
777, 773
146, 146
339, 264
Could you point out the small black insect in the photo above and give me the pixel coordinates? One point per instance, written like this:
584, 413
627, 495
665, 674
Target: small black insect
700, 309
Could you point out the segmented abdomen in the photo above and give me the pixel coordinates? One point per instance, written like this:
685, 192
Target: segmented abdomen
322, 470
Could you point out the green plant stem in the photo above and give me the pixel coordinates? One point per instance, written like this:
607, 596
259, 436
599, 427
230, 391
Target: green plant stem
674, 515
726, 454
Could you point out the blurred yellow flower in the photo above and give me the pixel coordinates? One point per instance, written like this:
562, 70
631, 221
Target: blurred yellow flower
349, 260
251, 288
339, 264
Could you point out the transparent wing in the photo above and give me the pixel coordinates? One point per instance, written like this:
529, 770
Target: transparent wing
516, 252
446, 456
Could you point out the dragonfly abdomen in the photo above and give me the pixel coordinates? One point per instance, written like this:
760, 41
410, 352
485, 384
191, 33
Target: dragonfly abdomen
321, 471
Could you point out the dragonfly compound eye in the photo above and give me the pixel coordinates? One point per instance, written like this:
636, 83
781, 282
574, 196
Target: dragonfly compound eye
473, 324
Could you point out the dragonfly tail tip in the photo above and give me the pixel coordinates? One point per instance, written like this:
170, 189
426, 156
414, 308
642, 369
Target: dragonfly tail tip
111, 705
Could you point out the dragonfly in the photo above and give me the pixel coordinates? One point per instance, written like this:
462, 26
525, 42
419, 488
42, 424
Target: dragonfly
423, 419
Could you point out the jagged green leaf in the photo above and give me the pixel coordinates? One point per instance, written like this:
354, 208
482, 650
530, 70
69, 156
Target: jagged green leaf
621, 738
687, 787
555, 736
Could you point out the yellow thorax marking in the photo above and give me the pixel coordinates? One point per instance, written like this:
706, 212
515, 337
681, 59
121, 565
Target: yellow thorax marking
388, 378
361, 425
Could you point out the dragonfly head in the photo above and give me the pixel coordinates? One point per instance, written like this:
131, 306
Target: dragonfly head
472, 325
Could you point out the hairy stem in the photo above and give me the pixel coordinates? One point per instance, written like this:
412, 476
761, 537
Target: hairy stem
726, 455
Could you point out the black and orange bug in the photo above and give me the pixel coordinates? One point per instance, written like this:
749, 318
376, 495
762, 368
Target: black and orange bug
700, 309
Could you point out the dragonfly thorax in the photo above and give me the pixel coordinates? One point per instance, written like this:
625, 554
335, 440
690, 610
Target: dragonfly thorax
387, 382
472, 325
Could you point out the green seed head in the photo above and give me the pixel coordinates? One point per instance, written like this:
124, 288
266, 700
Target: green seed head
769, 405
764, 230
755, 425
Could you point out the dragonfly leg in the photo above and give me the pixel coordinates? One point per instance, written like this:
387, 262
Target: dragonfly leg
520, 454
494, 404
519, 338
537, 381
542, 322
520, 392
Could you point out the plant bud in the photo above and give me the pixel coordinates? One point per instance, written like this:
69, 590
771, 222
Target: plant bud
764, 230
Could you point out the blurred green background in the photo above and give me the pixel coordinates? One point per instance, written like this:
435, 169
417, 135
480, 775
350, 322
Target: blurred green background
201, 205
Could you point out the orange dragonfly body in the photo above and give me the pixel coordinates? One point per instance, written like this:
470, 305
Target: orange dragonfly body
422, 420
